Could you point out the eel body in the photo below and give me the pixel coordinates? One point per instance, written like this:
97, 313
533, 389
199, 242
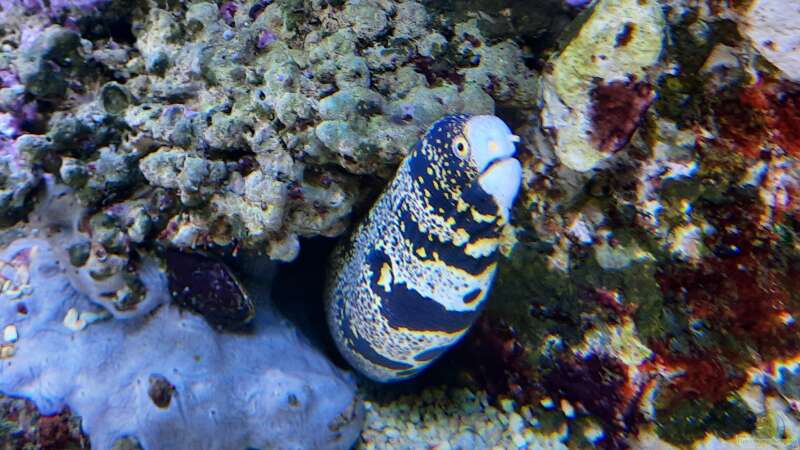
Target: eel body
411, 279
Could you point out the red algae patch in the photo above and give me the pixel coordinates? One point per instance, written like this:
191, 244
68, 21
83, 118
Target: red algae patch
740, 302
704, 375
502, 367
599, 385
767, 112
785, 119
617, 110
60, 431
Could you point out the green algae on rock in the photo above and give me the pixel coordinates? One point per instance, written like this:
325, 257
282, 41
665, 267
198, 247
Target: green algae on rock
263, 119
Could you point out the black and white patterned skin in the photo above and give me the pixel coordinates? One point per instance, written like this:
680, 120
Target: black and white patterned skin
412, 278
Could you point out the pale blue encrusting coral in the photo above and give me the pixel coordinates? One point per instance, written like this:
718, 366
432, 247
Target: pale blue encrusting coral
265, 390
166, 379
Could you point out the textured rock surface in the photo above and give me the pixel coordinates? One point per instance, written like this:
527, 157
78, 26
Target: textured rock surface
656, 292
231, 125
250, 121
772, 26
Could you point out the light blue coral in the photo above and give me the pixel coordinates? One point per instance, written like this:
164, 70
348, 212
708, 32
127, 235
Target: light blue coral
166, 379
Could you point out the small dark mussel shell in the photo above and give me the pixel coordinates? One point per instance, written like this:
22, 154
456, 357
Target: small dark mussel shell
206, 286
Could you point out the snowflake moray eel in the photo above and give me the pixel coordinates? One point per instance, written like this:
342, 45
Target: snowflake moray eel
411, 279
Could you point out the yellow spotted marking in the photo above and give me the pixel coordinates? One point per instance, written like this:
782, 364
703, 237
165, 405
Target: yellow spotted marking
481, 277
385, 280
460, 236
482, 247
421, 252
478, 217
502, 219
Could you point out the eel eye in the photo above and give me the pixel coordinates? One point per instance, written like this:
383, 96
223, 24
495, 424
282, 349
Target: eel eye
461, 147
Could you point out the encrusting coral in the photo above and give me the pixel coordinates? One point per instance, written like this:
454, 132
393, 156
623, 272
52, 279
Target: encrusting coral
164, 379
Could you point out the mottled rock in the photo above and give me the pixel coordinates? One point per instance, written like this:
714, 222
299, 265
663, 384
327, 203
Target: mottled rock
52, 55
114, 98
618, 42
18, 179
367, 18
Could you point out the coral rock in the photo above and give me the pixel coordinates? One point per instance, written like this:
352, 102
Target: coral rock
619, 41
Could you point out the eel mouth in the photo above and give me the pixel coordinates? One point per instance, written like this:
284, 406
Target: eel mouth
496, 161
501, 179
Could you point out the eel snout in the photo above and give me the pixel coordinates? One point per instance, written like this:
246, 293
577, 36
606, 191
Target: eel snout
490, 140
